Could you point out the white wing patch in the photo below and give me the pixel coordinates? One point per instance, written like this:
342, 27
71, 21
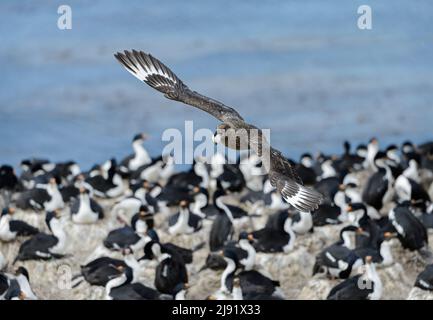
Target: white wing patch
330, 256
144, 66
304, 199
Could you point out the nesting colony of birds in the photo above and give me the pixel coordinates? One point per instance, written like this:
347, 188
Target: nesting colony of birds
139, 229
349, 226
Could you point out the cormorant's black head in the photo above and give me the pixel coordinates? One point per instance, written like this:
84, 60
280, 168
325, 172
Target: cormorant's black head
50, 216
148, 252
413, 156
407, 147
350, 228
23, 271
306, 160
355, 207
147, 217
380, 155
139, 137
243, 235
246, 236
143, 209
392, 148
346, 146
353, 230
8, 210
380, 159
96, 168
348, 186
8, 179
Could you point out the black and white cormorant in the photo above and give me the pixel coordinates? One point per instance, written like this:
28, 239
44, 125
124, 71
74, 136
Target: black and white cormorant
327, 213
42, 197
408, 189
21, 279
380, 252
44, 246
338, 260
184, 221
349, 161
8, 182
171, 269
223, 226
275, 237
365, 286
139, 158
128, 236
254, 285
85, 210
424, 280
99, 271
378, 189
372, 150
245, 252
410, 231
122, 287
105, 180
305, 169
10, 229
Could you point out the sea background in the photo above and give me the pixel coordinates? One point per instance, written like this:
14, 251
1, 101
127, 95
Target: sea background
301, 68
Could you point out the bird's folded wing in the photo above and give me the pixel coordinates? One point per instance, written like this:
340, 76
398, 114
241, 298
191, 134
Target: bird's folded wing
153, 72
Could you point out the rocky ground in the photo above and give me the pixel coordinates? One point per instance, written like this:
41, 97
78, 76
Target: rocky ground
51, 279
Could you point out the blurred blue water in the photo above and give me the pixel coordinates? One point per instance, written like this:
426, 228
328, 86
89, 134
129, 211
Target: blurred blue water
303, 69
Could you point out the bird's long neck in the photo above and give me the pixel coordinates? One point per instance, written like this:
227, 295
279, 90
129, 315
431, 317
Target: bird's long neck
60, 234
230, 269
200, 203
385, 252
139, 150
182, 221
328, 170
4, 220
114, 283
237, 293
250, 260
372, 150
372, 275
131, 262
289, 231
347, 241
200, 170
85, 200
219, 203
168, 170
